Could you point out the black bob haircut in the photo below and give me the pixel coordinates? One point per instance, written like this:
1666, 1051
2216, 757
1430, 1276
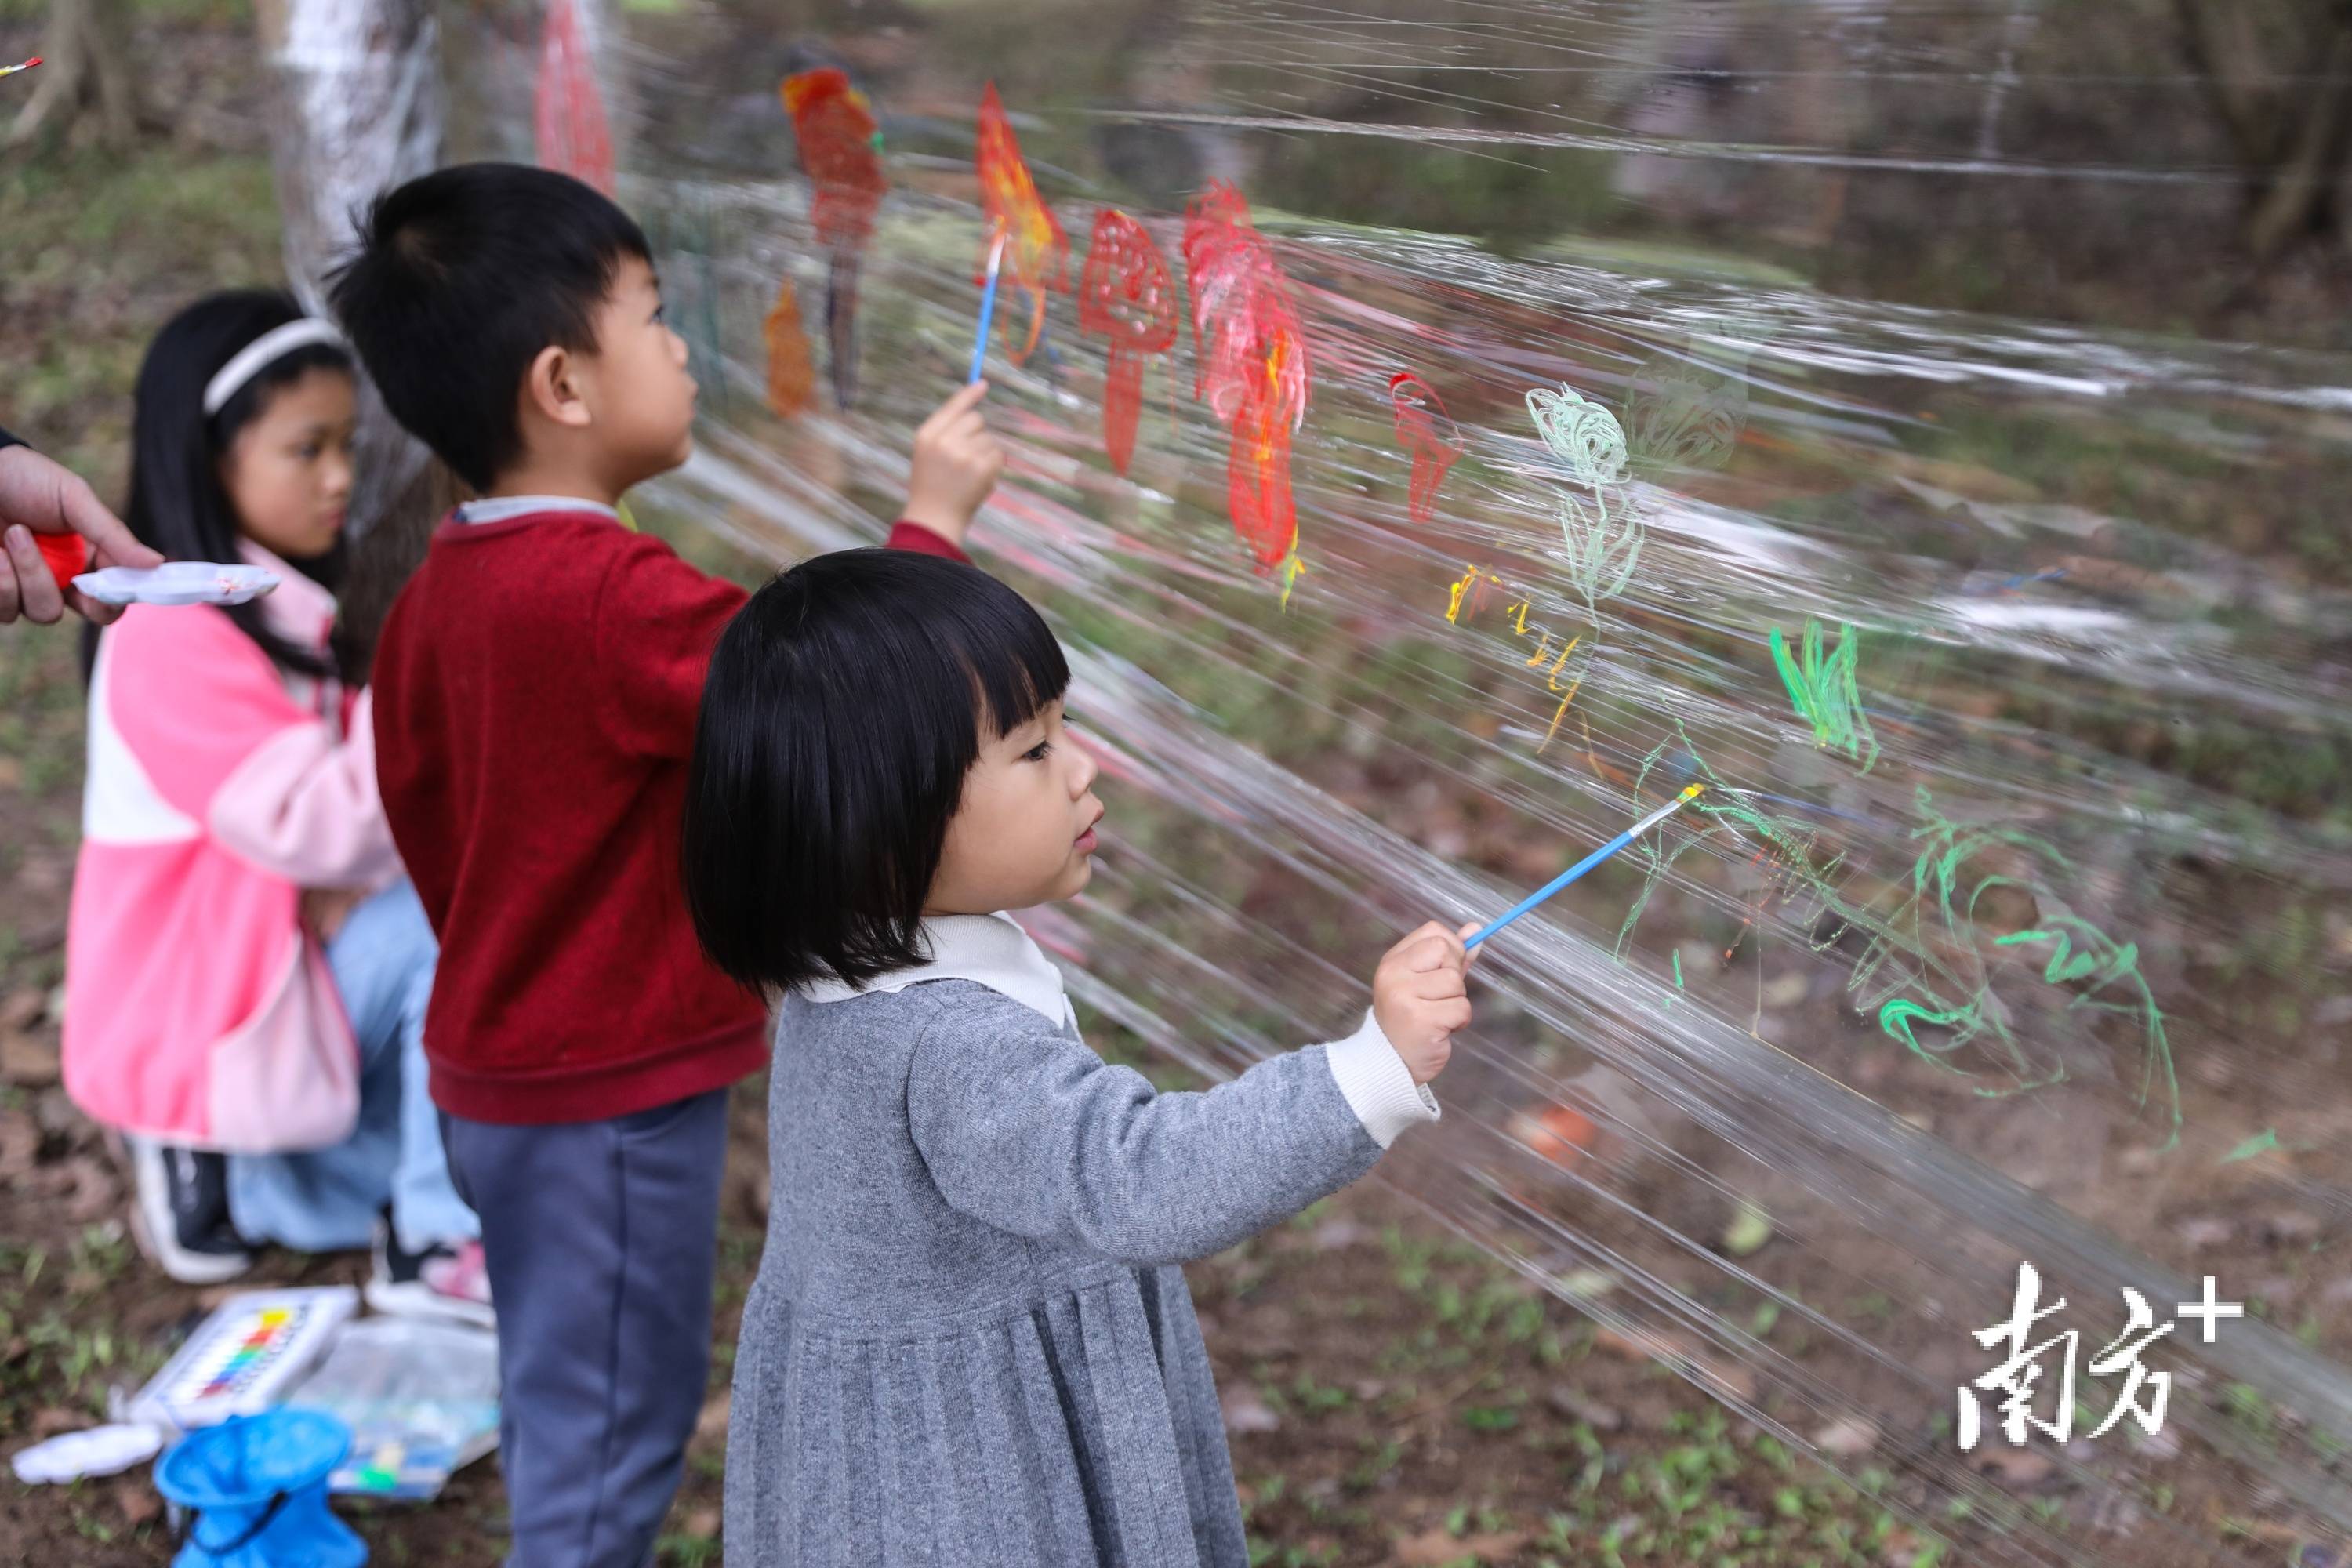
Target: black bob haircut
843, 707
461, 278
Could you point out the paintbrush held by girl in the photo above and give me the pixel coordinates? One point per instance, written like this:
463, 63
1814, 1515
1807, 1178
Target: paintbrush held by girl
970, 1339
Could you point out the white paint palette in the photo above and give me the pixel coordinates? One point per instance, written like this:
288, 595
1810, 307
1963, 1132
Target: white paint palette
243, 1359
177, 582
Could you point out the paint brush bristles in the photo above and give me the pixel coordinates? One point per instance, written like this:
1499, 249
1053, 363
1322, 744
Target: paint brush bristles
1690, 794
987, 309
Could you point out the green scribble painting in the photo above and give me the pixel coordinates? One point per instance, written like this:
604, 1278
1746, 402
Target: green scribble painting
1824, 692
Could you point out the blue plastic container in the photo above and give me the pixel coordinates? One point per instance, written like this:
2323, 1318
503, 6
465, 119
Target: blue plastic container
257, 1487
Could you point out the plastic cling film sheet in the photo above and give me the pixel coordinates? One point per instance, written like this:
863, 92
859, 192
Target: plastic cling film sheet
1455, 430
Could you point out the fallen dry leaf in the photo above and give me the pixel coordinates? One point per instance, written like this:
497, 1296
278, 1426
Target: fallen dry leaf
1578, 1405
1433, 1548
24, 1007
1639, 1344
86, 1189
138, 1501
1729, 1376
2013, 1467
52, 1419
20, 1146
28, 1061
1847, 1438
1560, 1133
1245, 1412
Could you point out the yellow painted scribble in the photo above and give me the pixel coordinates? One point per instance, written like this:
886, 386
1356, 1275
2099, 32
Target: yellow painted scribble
1292, 571
1453, 597
1617, 776
1457, 599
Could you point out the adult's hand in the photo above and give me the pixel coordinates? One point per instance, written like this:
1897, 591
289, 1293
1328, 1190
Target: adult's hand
38, 496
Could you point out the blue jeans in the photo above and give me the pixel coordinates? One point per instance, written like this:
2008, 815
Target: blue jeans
327, 1200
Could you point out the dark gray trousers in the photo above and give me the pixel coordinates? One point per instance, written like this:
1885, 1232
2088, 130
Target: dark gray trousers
600, 1239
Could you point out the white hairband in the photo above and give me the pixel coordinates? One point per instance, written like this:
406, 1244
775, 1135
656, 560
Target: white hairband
273, 344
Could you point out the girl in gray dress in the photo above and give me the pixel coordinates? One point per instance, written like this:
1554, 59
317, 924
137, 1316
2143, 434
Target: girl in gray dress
970, 1342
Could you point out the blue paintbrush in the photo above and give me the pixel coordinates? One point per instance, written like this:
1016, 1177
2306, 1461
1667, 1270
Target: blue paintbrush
1589, 861
987, 309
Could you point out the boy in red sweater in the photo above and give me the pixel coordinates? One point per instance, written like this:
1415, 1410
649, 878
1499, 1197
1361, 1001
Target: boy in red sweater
535, 695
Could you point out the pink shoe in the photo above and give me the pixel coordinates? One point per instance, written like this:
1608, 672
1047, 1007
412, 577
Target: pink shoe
447, 1279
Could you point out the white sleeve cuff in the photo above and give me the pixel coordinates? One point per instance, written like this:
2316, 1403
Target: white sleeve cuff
1376, 1084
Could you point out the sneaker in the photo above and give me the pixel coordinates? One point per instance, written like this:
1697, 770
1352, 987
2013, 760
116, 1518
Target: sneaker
447, 1279
178, 1213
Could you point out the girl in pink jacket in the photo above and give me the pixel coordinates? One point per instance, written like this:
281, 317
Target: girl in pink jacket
247, 968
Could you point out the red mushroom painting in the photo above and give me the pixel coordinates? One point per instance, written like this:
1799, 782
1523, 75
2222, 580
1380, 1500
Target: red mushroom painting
1425, 429
1126, 294
1036, 250
841, 150
1252, 365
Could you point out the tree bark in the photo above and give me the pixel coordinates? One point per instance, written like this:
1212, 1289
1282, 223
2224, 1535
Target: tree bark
2301, 201
2293, 146
359, 111
84, 69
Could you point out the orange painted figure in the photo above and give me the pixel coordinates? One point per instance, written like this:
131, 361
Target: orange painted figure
841, 152
792, 372
1429, 433
1128, 295
569, 111
1036, 251
1252, 365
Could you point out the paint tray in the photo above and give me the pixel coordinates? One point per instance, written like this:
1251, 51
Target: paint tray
421, 1398
244, 1358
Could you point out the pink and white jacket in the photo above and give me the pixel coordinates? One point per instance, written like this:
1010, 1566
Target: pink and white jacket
199, 1006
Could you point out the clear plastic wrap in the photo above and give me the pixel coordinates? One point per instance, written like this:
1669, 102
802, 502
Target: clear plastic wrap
2012, 927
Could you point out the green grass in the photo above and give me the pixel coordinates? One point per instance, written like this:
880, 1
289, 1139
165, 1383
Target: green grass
115, 246
171, 13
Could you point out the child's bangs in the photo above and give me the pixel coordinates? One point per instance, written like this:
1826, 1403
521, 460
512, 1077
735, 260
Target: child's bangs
1009, 659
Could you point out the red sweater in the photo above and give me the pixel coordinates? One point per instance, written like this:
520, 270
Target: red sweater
535, 696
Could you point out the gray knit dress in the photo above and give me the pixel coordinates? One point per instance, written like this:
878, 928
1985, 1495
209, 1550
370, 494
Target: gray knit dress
970, 1342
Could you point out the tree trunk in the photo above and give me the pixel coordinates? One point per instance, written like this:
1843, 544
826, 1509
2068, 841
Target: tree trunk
359, 111
84, 68
2293, 146
2301, 200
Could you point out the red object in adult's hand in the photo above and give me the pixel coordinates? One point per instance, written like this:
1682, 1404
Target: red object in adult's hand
68, 556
